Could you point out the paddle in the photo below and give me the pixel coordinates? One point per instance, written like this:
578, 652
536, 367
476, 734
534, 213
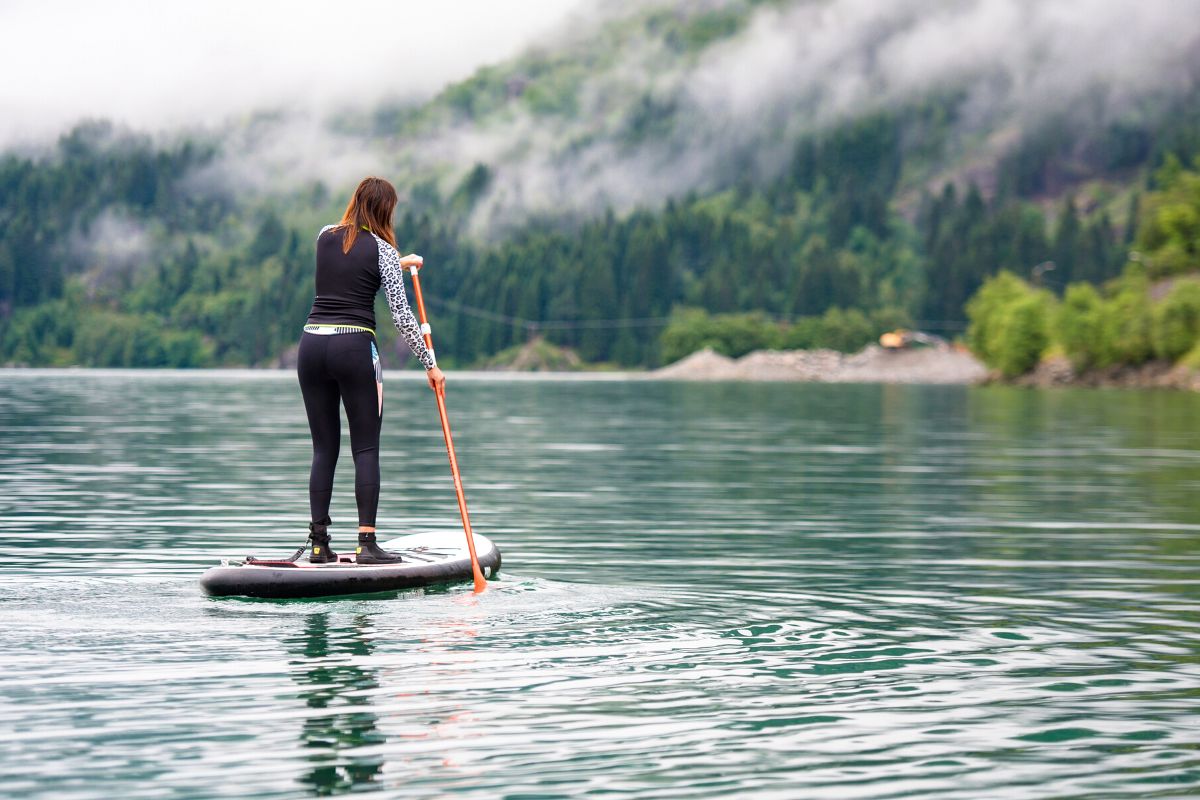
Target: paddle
480, 583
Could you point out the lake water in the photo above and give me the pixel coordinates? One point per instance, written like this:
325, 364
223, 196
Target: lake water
768, 591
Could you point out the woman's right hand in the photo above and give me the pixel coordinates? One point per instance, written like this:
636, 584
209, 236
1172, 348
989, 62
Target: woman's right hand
437, 380
411, 260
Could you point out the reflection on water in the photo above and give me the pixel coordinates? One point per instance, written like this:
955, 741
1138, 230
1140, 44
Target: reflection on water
336, 690
712, 591
331, 663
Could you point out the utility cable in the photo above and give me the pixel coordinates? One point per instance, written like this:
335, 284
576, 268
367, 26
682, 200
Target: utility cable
630, 322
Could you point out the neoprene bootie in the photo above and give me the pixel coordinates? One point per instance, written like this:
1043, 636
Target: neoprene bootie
321, 554
369, 551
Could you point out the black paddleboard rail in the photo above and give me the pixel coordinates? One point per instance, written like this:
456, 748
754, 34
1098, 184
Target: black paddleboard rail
278, 579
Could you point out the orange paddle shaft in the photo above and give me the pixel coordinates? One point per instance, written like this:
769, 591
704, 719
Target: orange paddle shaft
480, 583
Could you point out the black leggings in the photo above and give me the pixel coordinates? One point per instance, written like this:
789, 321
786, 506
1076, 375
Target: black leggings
345, 367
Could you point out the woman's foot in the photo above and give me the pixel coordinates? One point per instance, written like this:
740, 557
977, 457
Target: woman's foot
369, 551
319, 532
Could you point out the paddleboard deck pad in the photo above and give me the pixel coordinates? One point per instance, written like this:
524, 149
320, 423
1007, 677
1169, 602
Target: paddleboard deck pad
429, 558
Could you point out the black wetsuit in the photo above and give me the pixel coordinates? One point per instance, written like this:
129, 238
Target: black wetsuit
339, 362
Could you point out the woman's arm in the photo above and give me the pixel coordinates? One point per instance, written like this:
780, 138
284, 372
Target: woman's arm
392, 276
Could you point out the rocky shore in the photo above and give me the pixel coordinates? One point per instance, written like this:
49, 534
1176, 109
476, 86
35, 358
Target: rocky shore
873, 364
1057, 371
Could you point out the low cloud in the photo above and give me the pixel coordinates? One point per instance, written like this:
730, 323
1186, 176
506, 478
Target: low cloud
155, 65
647, 126
811, 64
113, 245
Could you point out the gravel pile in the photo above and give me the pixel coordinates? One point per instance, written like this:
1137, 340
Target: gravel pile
702, 365
873, 364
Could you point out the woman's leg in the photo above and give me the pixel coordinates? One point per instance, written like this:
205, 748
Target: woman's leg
356, 367
321, 396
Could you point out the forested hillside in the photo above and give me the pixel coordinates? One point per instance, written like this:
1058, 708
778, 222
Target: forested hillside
117, 249
1151, 311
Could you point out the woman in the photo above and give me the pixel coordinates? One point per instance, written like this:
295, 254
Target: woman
339, 362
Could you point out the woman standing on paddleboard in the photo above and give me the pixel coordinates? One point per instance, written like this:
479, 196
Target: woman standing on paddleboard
339, 359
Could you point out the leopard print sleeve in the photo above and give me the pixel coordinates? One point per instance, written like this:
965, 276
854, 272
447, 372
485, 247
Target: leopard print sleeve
327, 227
391, 275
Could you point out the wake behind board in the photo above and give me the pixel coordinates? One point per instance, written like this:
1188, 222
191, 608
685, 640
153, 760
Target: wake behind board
429, 558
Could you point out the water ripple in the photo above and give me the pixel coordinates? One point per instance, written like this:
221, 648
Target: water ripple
713, 591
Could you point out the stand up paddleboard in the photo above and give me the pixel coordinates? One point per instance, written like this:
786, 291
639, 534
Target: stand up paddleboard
429, 558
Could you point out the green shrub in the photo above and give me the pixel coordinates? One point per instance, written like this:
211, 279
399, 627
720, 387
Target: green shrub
985, 308
1176, 321
113, 339
1021, 334
39, 335
848, 331
684, 334
1128, 320
806, 333
1192, 359
733, 335
740, 334
890, 319
1079, 326
1010, 322
1170, 229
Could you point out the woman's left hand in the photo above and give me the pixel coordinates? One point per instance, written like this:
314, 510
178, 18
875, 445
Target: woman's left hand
437, 380
411, 260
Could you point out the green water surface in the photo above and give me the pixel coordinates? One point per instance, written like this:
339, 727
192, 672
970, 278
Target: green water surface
728, 590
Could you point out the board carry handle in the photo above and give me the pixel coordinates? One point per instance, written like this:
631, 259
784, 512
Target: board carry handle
480, 583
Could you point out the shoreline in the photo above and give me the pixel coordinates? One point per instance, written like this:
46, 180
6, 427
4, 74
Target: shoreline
1057, 372
948, 366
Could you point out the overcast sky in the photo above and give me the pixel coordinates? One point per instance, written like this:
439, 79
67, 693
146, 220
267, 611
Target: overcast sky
157, 63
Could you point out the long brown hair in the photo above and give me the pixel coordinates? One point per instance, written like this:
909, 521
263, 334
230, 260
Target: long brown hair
371, 207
